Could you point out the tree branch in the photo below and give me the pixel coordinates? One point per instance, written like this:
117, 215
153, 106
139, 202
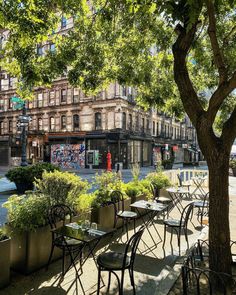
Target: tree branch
187, 92
219, 96
217, 52
229, 130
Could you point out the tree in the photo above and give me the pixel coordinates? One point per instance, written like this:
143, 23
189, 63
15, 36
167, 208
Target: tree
181, 56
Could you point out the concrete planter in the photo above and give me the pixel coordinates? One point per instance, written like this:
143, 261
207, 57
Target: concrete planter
30, 250
104, 216
5, 262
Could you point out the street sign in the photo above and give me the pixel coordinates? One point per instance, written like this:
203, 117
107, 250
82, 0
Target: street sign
17, 102
25, 118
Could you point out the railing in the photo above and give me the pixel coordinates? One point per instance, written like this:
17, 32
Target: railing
186, 175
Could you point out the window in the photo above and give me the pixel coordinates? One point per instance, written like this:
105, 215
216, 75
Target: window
76, 122
40, 50
40, 124
52, 123
52, 97
143, 123
137, 122
76, 95
10, 126
52, 47
10, 81
63, 122
63, 95
124, 91
63, 22
124, 120
10, 104
98, 121
148, 125
153, 128
1, 127
130, 121
40, 100
157, 128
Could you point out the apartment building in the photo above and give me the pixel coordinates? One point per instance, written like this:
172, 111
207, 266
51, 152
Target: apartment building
66, 124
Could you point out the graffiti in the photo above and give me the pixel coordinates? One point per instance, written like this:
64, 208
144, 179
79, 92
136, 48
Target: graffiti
68, 155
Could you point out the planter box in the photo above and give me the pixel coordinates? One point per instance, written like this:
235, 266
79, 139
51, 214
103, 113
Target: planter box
30, 250
104, 216
22, 187
5, 262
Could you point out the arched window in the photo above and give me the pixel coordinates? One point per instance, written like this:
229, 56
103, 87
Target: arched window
98, 121
124, 120
76, 122
52, 123
40, 124
63, 122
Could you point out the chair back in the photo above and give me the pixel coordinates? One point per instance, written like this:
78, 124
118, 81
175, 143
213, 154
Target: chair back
117, 199
204, 281
155, 191
59, 213
180, 180
186, 214
132, 245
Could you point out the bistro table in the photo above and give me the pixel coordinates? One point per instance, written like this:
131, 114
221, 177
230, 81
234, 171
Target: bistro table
90, 237
199, 181
176, 195
152, 209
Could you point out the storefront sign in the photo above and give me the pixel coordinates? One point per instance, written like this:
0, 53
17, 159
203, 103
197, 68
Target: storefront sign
175, 148
166, 146
34, 143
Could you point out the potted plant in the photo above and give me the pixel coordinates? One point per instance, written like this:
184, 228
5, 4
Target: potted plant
24, 177
159, 180
28, 219
232, 165
168, 163
4, 259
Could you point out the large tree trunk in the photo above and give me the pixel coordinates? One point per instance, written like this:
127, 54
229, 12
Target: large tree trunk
219, 230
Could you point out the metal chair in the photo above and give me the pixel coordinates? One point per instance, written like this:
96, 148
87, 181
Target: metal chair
61, 214
178, 224
184, 185
117, 199
115, 261
156, 194
203, 208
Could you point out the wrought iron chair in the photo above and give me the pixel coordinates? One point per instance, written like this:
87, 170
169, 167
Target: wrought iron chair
156, 194
114, 261
203, 208
178, 224
117, 199
183, 184
62, 214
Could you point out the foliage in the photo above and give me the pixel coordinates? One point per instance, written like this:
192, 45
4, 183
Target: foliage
61, 187
167, 162
232, 163
26, 213
3, 235
159, 179
135, 170
136, 188
85, 202
29, 173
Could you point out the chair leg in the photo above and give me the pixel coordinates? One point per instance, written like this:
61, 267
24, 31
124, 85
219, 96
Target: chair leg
63, 261
164, 239
50, 256
127, 228
99, 280
131, 274
134, 225
109, 282
122, 282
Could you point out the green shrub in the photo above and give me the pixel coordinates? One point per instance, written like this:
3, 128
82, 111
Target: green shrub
159, 179
26, 213
3, 235
61, 187
232, 163
135, 170
85, 202
26, 175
